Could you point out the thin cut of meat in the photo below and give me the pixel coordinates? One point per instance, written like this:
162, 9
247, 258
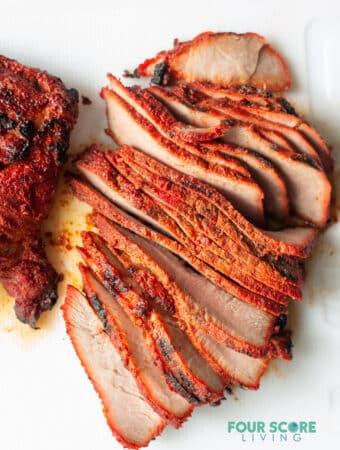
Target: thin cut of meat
153, 323
219, 312
245, 94
243, 369
237, 111
162, 118
276, 199
221, 58
153, 110
276, 196
187, 251
319, 143
172, 199
180, 102
245, 193
172, 126
186, 362
248, 370
277, 139
135, 353
97, 169
310, 137
211, 215
273, 185
136, 309
101, 174
265, 105
308, 186
297, 141
37, 114
131, 419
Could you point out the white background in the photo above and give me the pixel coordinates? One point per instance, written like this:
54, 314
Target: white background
46, 402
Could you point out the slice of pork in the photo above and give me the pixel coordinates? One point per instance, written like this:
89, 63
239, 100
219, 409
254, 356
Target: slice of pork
130, 417
245, 94
192, 358
243, 369
276, 199
233, 221
225, 59
101, 174
262, 118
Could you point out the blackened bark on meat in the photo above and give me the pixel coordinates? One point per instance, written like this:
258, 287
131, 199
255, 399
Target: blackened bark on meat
159, 73
287, 106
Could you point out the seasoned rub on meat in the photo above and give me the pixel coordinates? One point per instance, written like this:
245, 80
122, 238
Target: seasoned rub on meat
37, 114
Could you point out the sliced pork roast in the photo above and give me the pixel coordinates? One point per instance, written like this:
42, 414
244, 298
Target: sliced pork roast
225, 361
250, 370
161, 118
130, 417
221, 58
297, 166
101, 204
265, 105
182, 186
276, 200
294, 170
151, 256
151, 319
278, 116
197, 305
110, 179
227, 303
196, 252
170, 402
308, 186
245, 193
193, 217
291, 242
98, 170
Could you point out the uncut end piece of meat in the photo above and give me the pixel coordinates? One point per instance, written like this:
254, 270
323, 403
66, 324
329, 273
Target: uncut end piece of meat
37, 114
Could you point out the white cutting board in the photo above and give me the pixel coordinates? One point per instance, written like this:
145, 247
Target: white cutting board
46, 402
